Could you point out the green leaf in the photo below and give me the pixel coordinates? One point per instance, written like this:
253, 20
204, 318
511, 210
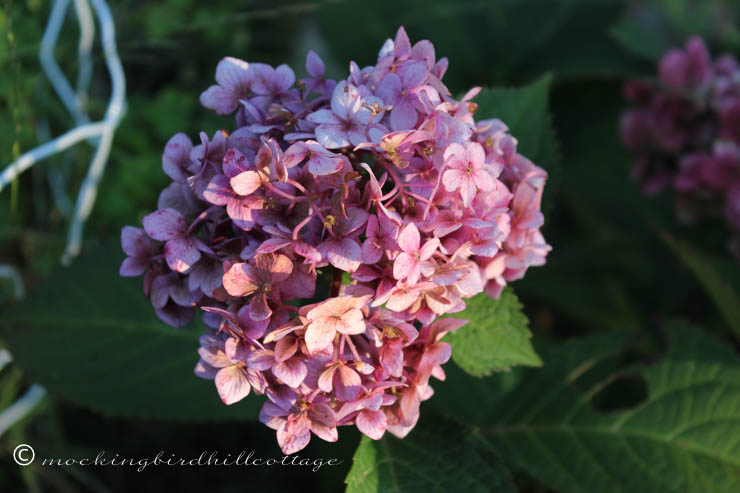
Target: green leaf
496, 335
92, 337
717, 288
682, 437
649, 44
439, 455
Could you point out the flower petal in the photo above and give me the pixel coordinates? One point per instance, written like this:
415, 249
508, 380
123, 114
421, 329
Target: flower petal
261, 359
291, 372
371, 423
240, 280
233, 75
218, 99
323, 165
133, 266
345, 254
259, 309
181, 253
319, 335
232, 384
219, 191
409, 238
404, 265
323, 116
327, 433
164, 224
332, 136
246, 182
314, 64
291, 443
353, 322
347, 383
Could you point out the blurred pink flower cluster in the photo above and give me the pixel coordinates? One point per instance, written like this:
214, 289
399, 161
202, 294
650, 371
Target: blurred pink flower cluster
685, 131
326, 235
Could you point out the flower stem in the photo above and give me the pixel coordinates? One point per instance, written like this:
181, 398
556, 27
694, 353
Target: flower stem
336, 283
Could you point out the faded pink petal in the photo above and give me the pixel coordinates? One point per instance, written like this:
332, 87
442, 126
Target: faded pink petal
326, 379
324, 165
292, 372
232, 384
352, 322
429, 248
347, 383
409, 238
453, 179
326, 433
319, 335
261, 360
371, 423
405, 266
240, 280
246, 183
391, 357
291, 443
259, 309
285, 348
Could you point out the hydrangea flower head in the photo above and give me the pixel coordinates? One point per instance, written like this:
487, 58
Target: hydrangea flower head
684, 129
381, 184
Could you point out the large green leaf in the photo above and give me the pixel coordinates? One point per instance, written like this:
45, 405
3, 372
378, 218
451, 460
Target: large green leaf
92, 337
682, 437
721, 293
439, 455
496, 335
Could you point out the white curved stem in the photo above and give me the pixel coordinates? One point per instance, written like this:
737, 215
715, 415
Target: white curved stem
116, 108
5, 358
20, 408
10, 272
45, 150
84, 49
100, 133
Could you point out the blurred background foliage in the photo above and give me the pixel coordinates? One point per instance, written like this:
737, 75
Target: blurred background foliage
609, 269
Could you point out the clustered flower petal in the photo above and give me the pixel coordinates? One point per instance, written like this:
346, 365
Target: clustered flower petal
381, 184
685, 131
